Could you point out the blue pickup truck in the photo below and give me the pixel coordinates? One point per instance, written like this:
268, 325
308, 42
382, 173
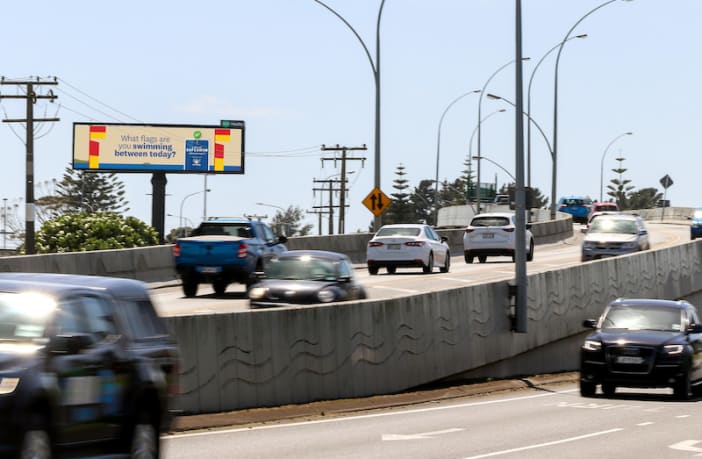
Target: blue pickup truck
224, 250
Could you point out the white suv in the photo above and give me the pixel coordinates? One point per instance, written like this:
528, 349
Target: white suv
494, 234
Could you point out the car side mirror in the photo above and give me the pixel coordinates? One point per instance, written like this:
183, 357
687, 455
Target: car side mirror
282, 239
69, 343
590, 323
444, 239
694, 328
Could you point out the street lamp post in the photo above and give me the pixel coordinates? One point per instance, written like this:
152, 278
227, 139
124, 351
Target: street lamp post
470, 142
528, 110
438, 149
480, 103
375, 67
603, 157
555, 103
180, 216
282, 214
498, 165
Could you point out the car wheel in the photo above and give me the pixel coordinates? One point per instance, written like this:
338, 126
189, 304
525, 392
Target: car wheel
189, 287
482, 258
145, 441
36, 442
682, 387
587, 388
469, 258
447, 264
219, 286
530, 254
609, 389
692, 237
391, 269
372, 270
429, 267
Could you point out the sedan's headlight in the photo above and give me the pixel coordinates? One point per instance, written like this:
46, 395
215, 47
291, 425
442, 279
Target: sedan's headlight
257, 293
8, 385
325, 295
673, 349
592, 345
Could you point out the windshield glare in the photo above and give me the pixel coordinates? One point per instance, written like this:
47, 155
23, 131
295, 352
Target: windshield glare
643, 318
398, 231
24, 316
303, 268
611, 225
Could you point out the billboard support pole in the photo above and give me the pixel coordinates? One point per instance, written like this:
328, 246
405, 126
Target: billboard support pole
158, 203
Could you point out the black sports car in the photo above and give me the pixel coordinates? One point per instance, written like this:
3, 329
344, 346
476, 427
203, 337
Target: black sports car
643, 343
306, 277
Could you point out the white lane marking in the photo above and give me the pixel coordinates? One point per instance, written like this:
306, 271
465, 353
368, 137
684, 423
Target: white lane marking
682, 416
643, 424
542, 445
419, 436
367, 416
456, 279
687, 445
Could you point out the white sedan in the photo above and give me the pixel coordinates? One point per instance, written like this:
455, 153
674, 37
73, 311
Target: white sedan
407, 245
494, 234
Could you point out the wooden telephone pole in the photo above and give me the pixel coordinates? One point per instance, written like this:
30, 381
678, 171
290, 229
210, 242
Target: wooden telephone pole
31, 98
342, 196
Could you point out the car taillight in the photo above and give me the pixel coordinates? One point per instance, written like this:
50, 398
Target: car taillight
176, 250
414, 244
469, 230
508, 230
243, 250
375, 244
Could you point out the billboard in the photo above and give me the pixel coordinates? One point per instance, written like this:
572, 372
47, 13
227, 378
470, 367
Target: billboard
106, 147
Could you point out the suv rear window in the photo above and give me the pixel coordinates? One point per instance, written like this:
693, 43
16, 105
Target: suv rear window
490, 221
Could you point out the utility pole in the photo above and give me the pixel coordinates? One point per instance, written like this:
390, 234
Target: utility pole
31, 97
330, 205
319, 219
344, 158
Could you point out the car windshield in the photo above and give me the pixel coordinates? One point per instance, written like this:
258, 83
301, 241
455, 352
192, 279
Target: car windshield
612, 225
301, 268
573, 202
490, 221
640, 317
398, 231
24, 316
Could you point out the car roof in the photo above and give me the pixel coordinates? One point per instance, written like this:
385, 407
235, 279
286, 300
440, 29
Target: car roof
227, 220
404, 225
675, 304
313, 253
618, 216
495, 214
59, 284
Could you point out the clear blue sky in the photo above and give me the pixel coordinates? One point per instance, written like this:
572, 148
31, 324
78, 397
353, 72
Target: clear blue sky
299, 78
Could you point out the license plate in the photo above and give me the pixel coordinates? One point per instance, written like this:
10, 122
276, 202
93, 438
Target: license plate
393, 246
488, 235
210, 269
630, 360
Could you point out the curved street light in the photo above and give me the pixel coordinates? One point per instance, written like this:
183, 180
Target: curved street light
498, 165
180, 216
438, 149
528, 110
555, 102
480, 103
603, 157
375, 67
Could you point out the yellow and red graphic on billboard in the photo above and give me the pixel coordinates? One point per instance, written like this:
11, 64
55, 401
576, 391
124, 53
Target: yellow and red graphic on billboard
151, 148
96, 133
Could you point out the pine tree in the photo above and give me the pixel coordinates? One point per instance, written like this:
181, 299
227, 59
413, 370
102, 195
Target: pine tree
80, 191
422, 200
401, 209
619, 189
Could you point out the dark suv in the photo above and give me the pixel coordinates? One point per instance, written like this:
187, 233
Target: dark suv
86, 365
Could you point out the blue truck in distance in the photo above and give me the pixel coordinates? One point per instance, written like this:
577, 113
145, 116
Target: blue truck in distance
225, 250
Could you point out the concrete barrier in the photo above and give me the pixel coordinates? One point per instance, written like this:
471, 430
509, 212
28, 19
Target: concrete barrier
303, 354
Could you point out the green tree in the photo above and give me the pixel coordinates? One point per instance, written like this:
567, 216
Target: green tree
81, 191
401, 209
83, 232
644, 198
619, 187
289, 222
422, 201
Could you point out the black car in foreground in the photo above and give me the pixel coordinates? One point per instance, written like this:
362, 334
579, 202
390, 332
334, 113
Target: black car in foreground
86, 367
643, 343
306, 277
